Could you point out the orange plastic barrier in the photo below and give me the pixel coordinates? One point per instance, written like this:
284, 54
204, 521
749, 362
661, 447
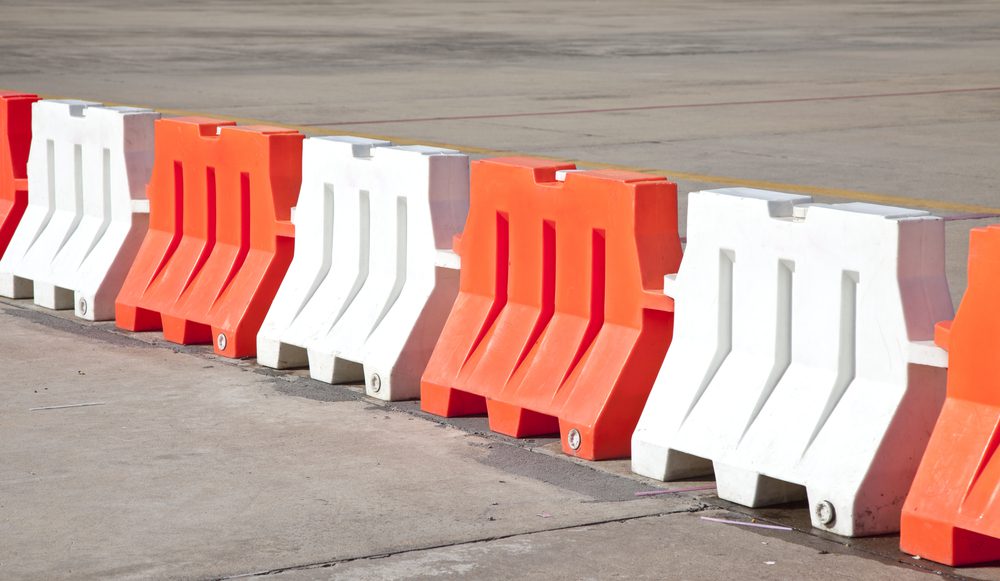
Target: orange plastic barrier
561, 323
220, 237
952, 514
15, 140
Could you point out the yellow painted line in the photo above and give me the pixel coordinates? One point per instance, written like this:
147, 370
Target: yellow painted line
853, 195
839, 193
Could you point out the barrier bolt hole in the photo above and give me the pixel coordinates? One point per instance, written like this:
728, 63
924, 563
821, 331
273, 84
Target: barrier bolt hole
83, 306
221, 341
574, 439
376, 383
825, 513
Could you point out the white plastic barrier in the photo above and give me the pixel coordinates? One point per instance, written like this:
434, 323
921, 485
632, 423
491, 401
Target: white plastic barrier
802, 362
87, 210
373, 278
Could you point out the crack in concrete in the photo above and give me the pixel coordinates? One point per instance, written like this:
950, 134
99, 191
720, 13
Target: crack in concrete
701, 507
384, 555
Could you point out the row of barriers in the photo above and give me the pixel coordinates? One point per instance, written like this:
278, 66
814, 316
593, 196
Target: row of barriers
797, 350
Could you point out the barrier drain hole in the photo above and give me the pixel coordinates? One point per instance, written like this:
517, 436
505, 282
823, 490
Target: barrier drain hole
376, 383
574, 439
221, 341
83, 306
825, 513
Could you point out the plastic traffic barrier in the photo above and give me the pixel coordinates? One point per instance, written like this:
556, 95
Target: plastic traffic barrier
560, 323
220, 237
952, 514
373, 277
87, 212
15, 139
802, 363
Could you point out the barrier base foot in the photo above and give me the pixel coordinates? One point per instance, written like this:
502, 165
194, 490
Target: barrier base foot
347, 371
445, 401
519, 422
90, 308
947, 544
277, 355
137, 319
754, 489
186, 332
329, 368
591, 443
387, 384
15, 287
53, 297
679, 465
233, 344
663, 463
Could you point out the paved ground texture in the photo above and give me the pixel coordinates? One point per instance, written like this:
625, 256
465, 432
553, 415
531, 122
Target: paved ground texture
196, 467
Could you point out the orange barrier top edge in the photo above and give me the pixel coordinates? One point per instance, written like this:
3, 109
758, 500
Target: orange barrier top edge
545, 170
17, 94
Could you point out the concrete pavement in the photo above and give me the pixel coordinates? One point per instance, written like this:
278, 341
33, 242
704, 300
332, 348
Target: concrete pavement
179, 464
195, 467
